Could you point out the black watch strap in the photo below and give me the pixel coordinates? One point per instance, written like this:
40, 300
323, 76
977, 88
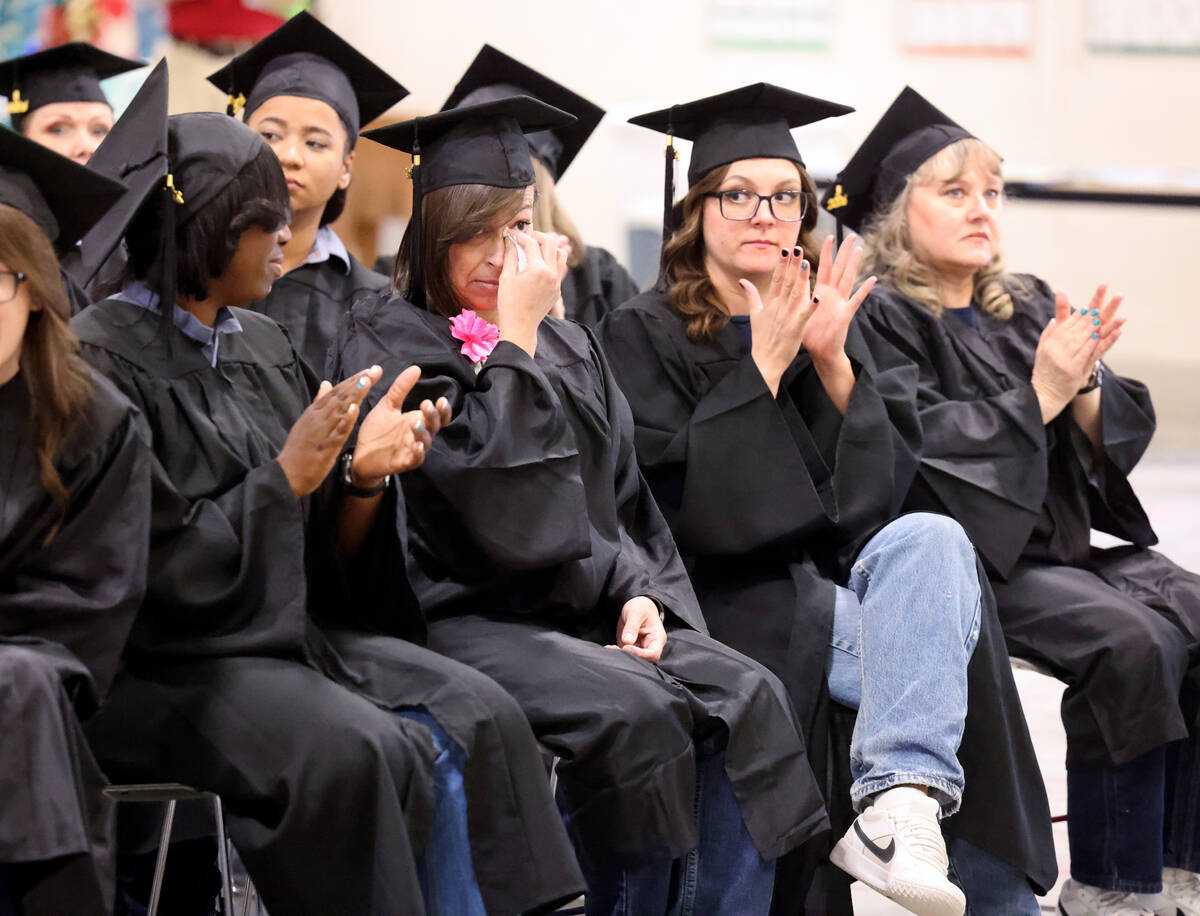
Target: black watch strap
348, 484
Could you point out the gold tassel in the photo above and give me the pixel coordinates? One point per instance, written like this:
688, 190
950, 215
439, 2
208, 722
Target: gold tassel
17, 105
838, 200
176, 194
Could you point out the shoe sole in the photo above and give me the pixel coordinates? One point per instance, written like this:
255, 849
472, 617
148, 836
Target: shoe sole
920, 899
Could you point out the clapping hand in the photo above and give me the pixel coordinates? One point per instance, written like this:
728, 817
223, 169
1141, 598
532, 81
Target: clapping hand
1070, 346
392, 440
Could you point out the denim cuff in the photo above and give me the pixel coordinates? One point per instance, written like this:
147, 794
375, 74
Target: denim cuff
1110, 883
947, 793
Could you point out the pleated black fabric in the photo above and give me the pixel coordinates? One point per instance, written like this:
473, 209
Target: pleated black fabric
596, 286
770, 499
1120, 626
310, 301
530, 526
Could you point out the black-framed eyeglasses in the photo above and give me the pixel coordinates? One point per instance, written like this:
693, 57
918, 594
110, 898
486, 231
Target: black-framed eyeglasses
787, 206
9, 281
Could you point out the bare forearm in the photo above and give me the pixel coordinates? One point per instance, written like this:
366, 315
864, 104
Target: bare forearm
1085, 410
837, 378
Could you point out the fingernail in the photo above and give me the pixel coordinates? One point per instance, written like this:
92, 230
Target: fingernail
1096, 321
796, 252
362, 381
783, 252
804, 265
418, 426
1095, 311
1095, 336
1072, 310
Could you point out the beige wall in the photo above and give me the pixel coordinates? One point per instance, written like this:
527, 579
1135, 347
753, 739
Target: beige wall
1059, 109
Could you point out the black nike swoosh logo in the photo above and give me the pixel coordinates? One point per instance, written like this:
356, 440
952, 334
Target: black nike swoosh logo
884, 855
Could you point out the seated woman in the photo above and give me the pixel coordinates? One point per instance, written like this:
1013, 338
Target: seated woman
270, 662
777, 449
539, 557
74, 528
595, 282
306, 93
1028, 441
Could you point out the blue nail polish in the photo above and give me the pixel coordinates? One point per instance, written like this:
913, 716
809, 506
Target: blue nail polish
804, 265
361, 382
418, 426
1096, 321
1095, 311
1095, 336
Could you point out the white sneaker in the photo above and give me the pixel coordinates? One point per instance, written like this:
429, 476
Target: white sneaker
1181, 892
1076, 899
896, 847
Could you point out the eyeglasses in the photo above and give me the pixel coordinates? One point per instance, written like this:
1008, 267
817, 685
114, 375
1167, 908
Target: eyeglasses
9, 281
741, 204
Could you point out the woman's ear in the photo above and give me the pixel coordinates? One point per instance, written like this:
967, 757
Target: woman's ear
347, 170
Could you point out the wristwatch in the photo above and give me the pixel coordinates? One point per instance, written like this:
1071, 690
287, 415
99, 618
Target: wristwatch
347, 479
1095, 380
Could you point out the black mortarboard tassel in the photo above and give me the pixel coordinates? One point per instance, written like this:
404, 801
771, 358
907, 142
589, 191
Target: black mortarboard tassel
65, 73
305, 58
494, 75
910, 132
63, 197
476, 144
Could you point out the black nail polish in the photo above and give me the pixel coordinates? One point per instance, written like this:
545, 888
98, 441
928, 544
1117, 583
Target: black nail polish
783, 252
796, 252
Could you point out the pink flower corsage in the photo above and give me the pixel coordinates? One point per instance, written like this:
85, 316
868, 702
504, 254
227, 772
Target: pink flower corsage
479, 337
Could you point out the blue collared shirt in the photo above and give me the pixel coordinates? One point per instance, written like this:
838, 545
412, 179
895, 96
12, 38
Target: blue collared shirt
193, 329
327, 245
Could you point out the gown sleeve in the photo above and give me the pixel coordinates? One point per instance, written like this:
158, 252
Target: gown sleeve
505, 472
983, 458
81, 583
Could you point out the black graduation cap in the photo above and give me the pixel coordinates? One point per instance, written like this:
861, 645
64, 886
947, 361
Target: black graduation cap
305, 58
494, 75
134, 152
753, 122
909, 132
475, 144
63, 197
66, 73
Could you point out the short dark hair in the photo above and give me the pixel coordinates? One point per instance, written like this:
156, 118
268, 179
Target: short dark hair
334, 207
205, 244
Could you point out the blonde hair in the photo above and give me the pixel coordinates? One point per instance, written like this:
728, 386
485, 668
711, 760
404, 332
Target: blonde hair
889, 250
549, 215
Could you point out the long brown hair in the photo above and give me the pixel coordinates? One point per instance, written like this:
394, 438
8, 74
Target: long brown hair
889, 250
59, 382
690, 287
450, 216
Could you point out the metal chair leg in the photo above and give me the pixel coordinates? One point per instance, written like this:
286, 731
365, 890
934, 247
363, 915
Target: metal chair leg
160, 862
223, 859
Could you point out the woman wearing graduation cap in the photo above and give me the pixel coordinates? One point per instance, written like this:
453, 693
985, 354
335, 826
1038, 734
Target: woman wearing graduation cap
74, 526
1028, 441
595, 282
539, 557
273, 660
307, 92
776, 445
55, 99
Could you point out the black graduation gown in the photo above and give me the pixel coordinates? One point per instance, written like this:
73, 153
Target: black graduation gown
1120, 626
596, 286
65, 609
311, 299
770, 499
530, 526
260, 669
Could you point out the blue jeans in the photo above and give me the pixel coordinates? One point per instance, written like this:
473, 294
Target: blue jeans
445, 869
723, 876
1126, 823
992, 887
903, 633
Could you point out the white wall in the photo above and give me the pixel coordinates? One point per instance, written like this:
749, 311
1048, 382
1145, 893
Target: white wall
1059, 109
